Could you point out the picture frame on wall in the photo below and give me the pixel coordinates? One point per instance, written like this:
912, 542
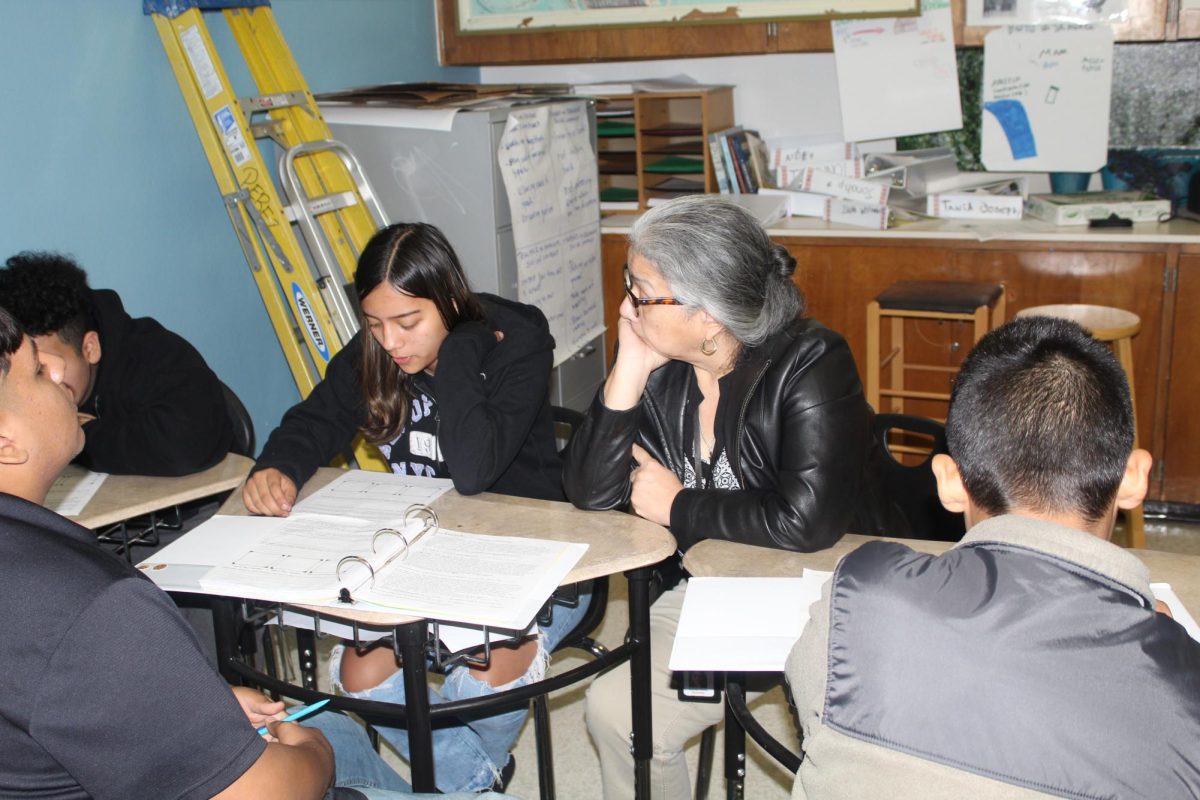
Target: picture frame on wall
493, 16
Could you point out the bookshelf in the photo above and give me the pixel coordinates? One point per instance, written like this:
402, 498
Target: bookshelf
655, 144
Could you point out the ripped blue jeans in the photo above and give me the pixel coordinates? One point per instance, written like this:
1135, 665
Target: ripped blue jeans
470, 755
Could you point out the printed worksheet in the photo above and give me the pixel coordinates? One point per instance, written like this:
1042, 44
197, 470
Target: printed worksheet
377, 496
73, 490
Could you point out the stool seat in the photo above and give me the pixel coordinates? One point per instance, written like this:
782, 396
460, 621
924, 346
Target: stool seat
1117, 327
1105, 323
953, 297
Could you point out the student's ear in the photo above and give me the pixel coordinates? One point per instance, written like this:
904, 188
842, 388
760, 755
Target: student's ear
90, 347
951, 490
11, 454
1136, 480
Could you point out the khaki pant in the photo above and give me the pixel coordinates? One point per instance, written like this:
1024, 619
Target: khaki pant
675, 722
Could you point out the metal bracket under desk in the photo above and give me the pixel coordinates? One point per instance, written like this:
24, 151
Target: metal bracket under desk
419, 717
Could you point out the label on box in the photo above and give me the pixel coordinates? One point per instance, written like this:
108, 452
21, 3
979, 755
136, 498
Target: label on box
974, 206
861, 191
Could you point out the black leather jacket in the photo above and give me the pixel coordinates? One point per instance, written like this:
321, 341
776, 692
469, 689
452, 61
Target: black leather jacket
803, 448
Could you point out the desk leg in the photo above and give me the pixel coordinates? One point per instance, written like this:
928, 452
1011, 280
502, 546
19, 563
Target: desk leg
410, 647
735, 749
639, 671
225, 634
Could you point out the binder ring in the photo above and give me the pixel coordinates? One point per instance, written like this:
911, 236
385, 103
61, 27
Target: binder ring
390, 532
424, 513
347, 559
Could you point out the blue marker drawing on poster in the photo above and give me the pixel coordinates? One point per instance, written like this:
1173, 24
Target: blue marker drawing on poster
1015, 123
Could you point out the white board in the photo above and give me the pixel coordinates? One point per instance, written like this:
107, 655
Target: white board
898, 76
1046, 94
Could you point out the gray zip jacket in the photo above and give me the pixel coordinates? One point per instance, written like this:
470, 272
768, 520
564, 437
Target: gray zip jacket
1027, 661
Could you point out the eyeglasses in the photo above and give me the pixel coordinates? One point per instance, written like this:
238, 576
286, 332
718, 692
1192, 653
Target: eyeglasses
645, 301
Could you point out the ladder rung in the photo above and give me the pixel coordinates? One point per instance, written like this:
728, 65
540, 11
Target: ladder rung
910, 394
930, 368
266, 102
325, 204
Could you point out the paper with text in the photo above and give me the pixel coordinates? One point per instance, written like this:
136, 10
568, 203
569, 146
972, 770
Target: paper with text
73, 490
549, 170
373, 495
1045, 99
897, 75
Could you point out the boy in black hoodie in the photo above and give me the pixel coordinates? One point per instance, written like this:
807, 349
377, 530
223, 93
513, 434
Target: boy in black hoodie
148, 403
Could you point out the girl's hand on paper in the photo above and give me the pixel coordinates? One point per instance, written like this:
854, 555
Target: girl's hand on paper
258, 708
269, 493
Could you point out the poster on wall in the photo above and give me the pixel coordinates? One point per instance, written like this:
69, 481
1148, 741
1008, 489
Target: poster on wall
897, 75
549, 170
475, 16
1045, 99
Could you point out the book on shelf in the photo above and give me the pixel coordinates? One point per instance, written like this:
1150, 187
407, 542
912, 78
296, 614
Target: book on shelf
717, 154
1083, 207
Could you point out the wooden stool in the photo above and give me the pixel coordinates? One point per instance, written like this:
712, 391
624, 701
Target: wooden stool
1117, 327
949, 301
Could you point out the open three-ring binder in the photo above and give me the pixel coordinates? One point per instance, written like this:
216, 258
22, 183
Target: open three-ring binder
409, 564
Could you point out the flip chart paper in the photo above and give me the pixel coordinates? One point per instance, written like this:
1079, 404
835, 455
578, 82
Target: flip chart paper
1045, 101
549, 170
897, 76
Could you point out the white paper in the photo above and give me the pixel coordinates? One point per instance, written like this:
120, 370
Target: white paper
1046, 92
1164, 592
743, 624
73, 490
549, 170
373, 495
898, 75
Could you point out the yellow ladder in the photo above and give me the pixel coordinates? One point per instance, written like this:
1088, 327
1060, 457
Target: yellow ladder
328, 196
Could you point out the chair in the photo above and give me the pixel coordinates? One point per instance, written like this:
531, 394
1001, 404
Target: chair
1117, 327
980, 304
243, 426
913, 489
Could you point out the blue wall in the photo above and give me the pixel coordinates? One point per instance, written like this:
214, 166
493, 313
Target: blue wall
100, 160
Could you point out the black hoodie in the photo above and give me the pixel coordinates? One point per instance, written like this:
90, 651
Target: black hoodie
159, 409
495, 430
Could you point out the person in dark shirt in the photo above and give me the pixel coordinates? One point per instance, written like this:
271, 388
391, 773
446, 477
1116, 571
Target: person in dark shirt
148, 403
446, 383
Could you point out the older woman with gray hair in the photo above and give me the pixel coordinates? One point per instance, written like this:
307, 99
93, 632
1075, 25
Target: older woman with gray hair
727, 415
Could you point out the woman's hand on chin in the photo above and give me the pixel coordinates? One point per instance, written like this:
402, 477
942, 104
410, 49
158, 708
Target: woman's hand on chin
654, 488
635, 361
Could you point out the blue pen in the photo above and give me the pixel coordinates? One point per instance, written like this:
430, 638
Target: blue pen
302, 711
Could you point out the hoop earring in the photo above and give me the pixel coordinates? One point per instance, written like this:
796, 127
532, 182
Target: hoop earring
708, 346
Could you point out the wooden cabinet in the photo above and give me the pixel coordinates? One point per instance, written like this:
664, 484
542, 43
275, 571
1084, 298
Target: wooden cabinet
1148, 21
655, 144
841, 274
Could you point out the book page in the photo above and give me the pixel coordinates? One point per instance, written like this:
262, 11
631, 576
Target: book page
500, 581
373, 495
73, 490
299, 560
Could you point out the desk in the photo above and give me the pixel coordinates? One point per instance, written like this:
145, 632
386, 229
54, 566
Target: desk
716, 558
616, 543
123, 497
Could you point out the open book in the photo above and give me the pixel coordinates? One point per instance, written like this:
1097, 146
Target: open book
408, 564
